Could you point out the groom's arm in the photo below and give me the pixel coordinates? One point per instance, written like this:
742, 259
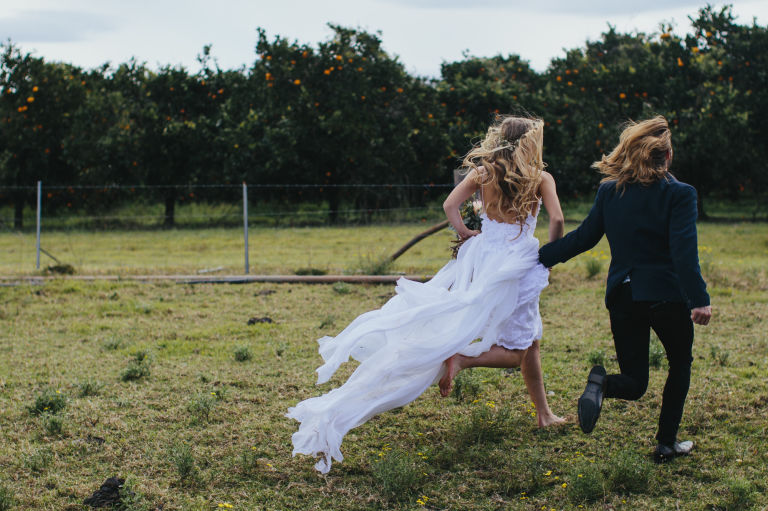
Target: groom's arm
683, 247
584, 237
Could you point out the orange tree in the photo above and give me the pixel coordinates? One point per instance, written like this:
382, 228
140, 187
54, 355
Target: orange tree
179, 116
702, 93
728, 125
37, 100
590, 93
103, 145
702, 83
473, 91
341, 115
236, 131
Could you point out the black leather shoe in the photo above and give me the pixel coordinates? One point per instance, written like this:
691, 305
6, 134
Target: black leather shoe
664, 453
591, 401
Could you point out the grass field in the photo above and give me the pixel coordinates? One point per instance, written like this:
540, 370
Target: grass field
283, 251
169, 386
739, 247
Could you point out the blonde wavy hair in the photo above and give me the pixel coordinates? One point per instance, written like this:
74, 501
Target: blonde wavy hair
511, 156
641, 155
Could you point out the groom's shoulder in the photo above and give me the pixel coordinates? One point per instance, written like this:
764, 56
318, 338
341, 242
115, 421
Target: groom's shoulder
677, 187
606, 187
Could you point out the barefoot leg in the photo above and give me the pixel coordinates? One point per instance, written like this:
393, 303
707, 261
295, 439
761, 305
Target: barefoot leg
495, 357
534, 382
452, 368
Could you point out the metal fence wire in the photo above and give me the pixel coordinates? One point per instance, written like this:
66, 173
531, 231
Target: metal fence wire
115, 207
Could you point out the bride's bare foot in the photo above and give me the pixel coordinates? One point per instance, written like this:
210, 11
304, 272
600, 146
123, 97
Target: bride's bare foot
550, 420
451, 370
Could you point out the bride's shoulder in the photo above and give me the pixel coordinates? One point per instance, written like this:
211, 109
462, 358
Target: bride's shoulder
546, 176
547, 183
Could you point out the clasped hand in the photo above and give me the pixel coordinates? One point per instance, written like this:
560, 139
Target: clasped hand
701, 315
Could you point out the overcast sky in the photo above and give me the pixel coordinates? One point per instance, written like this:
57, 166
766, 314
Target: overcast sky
422, 33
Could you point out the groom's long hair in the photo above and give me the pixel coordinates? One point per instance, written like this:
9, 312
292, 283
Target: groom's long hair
642, 155
511, 157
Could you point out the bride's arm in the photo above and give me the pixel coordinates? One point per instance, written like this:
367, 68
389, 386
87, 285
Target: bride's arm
456, 198
552, 205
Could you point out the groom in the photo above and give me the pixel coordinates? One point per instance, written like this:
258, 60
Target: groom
654, 280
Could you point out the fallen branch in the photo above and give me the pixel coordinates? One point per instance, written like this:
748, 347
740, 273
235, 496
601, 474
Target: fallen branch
432, 230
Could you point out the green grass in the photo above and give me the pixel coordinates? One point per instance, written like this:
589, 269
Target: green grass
184, 448
334, 250
737, 247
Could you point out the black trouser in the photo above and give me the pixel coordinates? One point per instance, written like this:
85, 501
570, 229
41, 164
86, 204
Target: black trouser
631, 323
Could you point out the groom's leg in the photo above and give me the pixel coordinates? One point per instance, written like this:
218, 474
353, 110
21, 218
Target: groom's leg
672, 323
631, 336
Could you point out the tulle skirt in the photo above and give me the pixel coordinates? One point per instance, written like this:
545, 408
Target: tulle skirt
488, 295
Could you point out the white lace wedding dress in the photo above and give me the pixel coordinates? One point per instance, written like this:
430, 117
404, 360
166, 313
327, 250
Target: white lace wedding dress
488, 295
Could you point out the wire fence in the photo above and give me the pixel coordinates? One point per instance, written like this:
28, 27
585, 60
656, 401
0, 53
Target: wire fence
58, 214
166, 229
113, 206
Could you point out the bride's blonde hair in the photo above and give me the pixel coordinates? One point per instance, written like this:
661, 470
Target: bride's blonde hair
642, 155
511, 157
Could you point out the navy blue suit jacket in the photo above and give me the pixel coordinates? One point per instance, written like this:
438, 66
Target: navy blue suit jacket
651, 230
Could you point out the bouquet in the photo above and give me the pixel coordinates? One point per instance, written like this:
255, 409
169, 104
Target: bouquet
470, 214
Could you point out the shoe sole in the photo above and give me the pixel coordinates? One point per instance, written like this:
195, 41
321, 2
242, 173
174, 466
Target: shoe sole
590, 403
588, 414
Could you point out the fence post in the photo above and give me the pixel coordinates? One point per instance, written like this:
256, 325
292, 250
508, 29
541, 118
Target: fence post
245, 224
39, 200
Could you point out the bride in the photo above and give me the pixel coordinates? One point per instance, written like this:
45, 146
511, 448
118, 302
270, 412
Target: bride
481, 309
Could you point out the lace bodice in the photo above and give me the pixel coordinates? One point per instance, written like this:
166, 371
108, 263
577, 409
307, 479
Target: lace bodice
503, 231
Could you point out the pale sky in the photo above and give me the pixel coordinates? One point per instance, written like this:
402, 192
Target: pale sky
422, 33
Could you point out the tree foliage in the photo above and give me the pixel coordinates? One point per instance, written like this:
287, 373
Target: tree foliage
344, 112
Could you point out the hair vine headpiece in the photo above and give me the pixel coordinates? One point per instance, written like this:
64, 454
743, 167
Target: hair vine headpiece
507, 144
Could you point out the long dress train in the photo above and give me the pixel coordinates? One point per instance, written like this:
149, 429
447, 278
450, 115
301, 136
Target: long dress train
488, 295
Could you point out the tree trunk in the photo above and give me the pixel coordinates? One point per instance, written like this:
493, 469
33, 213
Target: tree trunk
18, 211
170, 212
700, 206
